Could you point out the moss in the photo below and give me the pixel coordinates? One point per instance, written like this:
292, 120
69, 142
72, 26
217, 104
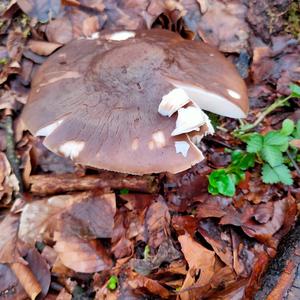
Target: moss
292, 18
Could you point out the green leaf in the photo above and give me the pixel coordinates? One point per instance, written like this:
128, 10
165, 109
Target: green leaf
112, 283
213, 190
272, 155
225, 185
255, 143
236, 155
221, 183
287, 127
275, 138
277, 174
295, 90
215, 176
247, 161
238, 176
242, 160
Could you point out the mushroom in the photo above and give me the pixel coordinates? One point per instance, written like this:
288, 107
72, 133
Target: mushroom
132, 101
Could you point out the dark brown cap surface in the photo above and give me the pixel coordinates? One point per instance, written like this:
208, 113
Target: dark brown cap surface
97, 101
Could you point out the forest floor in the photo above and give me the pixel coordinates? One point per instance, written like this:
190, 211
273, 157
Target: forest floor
68, 232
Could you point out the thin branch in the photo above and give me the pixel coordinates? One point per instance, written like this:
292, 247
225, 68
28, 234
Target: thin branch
10, 149
268, 110
293, 162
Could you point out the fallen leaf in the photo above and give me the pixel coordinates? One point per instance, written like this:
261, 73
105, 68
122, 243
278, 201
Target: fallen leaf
201, 263
266, 17
64, 295
81, 255
8, 239
10, 287
166, 253
219, 239
185, 223
295, 143
152, 286
96, 212
27, 279
43, 10
42, 47
223, 25
157, 223
36, 216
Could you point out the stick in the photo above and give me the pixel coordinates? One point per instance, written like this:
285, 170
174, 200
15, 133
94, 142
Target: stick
50, 184
10, 149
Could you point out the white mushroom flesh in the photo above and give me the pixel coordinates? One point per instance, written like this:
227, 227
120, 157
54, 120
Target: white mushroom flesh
189, 119
45, 131
121, 35
213, 102
71, 149
173, 101
182, 147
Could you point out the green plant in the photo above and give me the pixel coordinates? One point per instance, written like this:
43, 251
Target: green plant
112, 283
223, 181
273, 150
147, 252
270, 150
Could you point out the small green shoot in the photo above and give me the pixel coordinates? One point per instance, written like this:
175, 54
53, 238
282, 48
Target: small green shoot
124, 192
112, 283
146, 252
223, 181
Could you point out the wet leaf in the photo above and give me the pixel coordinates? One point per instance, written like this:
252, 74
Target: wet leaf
43, 10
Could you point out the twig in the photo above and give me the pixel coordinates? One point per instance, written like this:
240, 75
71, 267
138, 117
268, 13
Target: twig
49, 184
248, 127
10, 149
293, 162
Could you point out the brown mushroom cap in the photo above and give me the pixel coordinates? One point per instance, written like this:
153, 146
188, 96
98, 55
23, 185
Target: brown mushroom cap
97, 100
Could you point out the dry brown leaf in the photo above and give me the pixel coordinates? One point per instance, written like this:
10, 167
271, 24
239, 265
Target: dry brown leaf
201, 262
223, 25
64, 295
11, 100
30, 274
166, 253
27, 279
5, 168
81, 255
42, 47
95, 213
218, 239
8, 239
43, 10
295, 143
10, 287
37, 215
157, 223
38, 267
59, 30
76, 230
139, 281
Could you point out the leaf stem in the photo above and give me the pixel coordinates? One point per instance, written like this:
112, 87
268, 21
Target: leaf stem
247, 127
293, 162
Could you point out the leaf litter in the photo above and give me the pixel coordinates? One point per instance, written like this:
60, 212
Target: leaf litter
75, 233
